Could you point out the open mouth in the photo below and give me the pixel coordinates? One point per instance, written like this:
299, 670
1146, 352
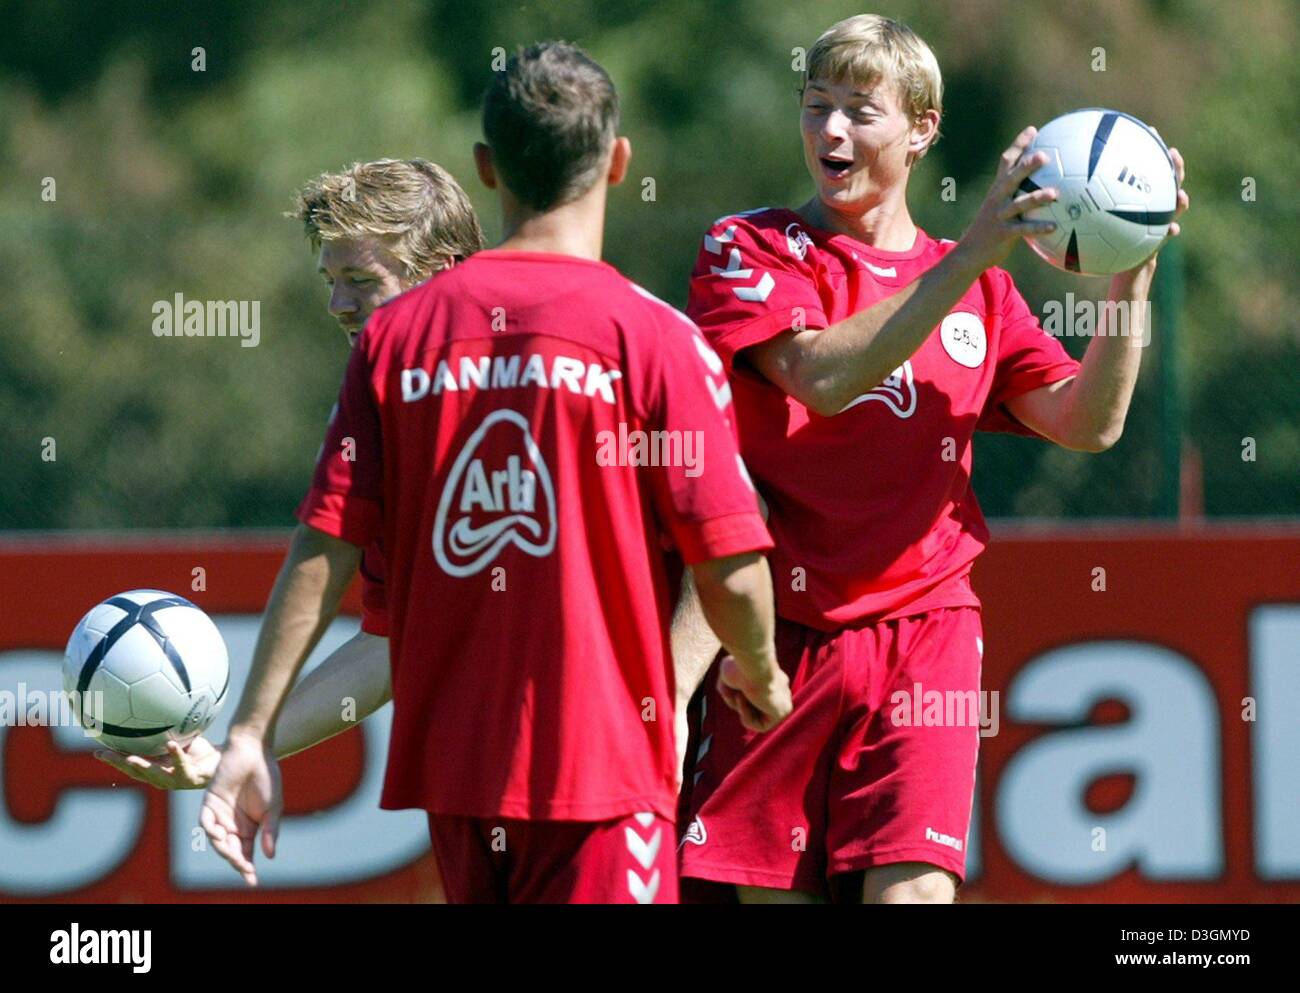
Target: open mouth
353, 336
836, 168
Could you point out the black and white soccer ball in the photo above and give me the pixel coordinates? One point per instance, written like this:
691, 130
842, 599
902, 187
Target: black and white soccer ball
143, 668
1118, 191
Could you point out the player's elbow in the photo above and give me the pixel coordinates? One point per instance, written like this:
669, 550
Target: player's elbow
1095, 441
819, 389
802, 371
824, 398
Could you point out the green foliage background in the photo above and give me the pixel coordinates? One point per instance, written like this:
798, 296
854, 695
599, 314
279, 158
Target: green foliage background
170, 180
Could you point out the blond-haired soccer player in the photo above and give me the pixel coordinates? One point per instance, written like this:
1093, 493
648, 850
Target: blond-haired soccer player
863, 355
378, 229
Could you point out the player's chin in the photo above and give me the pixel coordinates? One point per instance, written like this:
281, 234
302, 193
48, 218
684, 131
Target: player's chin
842, 197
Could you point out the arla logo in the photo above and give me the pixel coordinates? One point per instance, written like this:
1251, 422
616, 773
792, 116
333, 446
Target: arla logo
797, 240
897, 392
499, 492
695, 834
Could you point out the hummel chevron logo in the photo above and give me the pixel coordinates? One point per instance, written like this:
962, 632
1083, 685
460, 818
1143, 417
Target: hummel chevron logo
645, 852
714, 245
641, 891
734, 270
703, 750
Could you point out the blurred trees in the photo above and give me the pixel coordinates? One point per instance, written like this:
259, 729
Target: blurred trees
169, 180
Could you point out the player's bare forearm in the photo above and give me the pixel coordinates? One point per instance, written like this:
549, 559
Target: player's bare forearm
735, 596
349, 686
694, 645
825, 370
304, 600
1087, 412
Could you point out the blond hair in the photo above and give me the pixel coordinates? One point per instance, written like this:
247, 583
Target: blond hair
415, 206
866, 49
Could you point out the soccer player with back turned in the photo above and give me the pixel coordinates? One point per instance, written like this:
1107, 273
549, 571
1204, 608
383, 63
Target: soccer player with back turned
528, 591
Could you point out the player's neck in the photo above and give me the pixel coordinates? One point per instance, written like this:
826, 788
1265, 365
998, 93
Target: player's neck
576, 228
887, 225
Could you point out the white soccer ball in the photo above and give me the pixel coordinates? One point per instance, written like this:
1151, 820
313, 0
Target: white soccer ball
146, 667
1118, 191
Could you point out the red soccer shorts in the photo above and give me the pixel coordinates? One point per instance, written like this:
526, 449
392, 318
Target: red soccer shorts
875, 765
502, 860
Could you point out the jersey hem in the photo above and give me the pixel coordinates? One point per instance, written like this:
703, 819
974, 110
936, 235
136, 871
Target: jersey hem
351, 519
719, 537
893, 854
516, 811
737, 876
374, 625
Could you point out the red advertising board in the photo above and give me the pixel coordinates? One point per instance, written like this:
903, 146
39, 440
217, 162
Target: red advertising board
1141, 742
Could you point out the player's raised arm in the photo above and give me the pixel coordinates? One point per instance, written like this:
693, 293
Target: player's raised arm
826, 369
1087, 412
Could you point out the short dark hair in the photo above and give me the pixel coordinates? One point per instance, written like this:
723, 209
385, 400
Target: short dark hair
549, 119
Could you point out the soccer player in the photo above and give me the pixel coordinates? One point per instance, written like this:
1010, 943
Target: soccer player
378, 229
525, 432
863, 355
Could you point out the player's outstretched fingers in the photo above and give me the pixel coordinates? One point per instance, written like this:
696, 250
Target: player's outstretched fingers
1017, 149
1180, 167
238, 846
231, 849
1027, 201
1183, 200
217, 822
184, 770
213, 821
119, 763
1022, 170
271, 831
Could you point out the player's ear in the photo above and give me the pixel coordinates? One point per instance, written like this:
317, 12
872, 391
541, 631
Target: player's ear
487, 172
925, 129
619, 158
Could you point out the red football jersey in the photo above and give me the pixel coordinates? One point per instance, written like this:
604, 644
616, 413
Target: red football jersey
872, 509
530, 432
374, 597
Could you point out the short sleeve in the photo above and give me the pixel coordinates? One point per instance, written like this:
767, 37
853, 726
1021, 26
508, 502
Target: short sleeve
745, 291
705, 499
1028, 357
346, 495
